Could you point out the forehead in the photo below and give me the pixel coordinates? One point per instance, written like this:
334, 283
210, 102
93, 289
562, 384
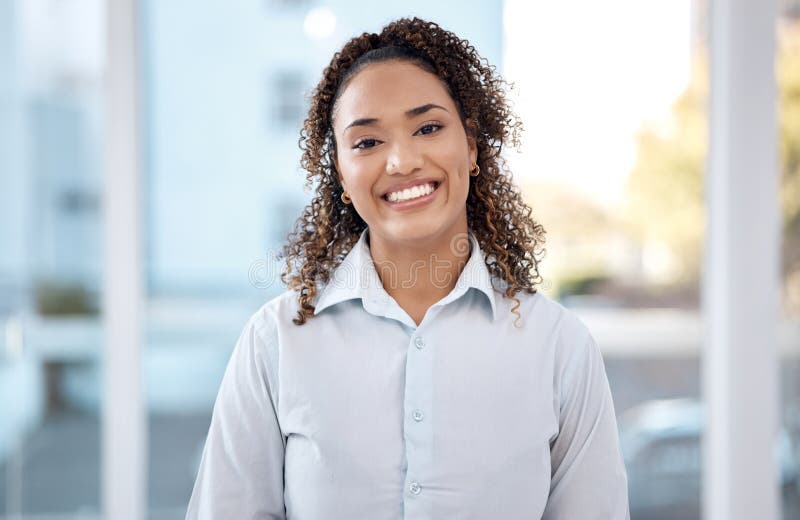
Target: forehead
388, 89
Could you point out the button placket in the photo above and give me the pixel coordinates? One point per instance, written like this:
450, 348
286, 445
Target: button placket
418, 432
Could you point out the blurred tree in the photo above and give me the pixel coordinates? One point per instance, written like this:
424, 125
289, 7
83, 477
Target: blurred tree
665, 188
579, 235
788, 65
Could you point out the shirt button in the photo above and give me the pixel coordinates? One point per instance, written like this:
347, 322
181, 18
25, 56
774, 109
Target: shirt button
418, 415
419, 343
415, 488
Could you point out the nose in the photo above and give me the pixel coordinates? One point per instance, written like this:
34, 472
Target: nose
403, 158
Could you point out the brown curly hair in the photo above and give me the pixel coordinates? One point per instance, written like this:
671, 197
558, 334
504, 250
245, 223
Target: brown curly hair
496, 214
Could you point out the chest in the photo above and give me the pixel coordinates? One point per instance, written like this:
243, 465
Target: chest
367, 412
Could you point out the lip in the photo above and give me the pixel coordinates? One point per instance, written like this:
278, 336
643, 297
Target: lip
414, 203
410, 184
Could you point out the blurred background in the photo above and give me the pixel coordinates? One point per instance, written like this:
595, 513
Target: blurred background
613, 97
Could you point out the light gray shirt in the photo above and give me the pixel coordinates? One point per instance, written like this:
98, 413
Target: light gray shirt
362, 414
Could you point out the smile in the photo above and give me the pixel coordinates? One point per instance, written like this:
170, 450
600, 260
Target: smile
412, 197
411, 193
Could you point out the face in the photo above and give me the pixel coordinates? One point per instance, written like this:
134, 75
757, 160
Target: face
402, 154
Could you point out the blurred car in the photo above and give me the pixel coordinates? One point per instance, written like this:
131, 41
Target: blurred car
661, 445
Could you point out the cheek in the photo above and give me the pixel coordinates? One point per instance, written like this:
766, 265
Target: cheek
360, 177
457, 166
352, 172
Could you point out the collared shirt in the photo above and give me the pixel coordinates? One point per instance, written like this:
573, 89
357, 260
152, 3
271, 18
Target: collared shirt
362, 414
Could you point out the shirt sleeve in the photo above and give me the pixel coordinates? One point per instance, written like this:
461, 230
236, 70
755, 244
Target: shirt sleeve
241, 469
588, 479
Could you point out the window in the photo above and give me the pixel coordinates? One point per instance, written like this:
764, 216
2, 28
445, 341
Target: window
287, 93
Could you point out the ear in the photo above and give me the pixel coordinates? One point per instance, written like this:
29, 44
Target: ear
471, 129
338, 171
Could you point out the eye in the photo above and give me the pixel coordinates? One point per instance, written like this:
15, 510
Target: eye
363, 144
430, 128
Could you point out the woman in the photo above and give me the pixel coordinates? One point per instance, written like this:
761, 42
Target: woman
412, 370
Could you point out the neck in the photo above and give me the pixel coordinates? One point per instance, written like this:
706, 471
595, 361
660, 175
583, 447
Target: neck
421, 273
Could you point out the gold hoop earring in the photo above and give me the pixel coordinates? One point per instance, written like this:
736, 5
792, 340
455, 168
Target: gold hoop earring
475, 171
346, 198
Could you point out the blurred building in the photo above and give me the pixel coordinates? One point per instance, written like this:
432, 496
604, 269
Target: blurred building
223, 95
224, 92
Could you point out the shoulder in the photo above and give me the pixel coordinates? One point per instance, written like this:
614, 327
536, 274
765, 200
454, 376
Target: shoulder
541, 314
555, 328
570, 327
577, 361
575, 349
273, 314
259, 344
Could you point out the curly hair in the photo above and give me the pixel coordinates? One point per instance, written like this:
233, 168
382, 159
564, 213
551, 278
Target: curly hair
496, 213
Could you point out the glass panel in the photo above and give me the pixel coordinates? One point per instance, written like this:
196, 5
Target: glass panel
50, 157
613, 162
225, 92
223, 109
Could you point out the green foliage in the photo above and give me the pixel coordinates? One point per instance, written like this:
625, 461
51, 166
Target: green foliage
788, 75
581, 283
58, 299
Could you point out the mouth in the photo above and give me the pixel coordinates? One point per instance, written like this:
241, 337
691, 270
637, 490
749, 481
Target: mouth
414, 197
419, 191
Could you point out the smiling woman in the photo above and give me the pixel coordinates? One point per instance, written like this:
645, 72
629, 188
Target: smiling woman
406, 171
396, 376
414, 104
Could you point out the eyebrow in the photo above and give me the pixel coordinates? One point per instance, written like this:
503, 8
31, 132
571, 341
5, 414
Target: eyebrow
366, 121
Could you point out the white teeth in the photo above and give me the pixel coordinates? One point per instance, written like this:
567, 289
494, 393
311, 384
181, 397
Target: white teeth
411, 193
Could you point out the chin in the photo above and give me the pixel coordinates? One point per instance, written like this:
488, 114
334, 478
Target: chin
409, 233
421, 231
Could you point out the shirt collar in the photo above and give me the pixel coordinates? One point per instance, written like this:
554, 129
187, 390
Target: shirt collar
356, 277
